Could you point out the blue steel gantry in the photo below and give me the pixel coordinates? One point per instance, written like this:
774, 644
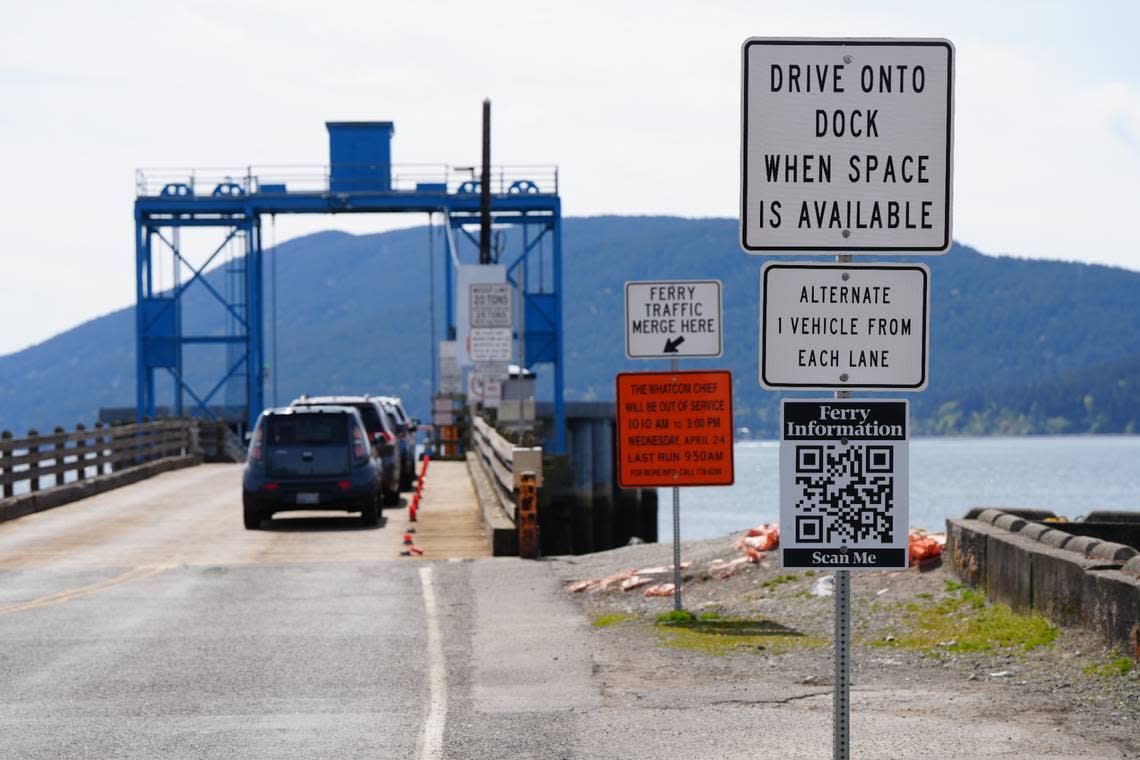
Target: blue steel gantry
360, 178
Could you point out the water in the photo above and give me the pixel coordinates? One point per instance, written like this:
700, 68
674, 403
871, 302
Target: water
1067, 474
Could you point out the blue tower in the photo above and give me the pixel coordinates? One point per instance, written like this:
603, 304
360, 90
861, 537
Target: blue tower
360, 178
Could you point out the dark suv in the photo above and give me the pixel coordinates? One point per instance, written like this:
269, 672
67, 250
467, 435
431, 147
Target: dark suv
406, 436
310, 458
381, 432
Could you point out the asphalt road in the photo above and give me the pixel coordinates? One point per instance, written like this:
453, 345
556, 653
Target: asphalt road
147, 623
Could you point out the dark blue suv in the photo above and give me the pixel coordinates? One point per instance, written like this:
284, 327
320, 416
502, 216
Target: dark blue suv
311, 457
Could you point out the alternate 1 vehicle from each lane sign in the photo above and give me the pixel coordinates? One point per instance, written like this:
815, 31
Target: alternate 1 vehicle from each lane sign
831, 326
673, 319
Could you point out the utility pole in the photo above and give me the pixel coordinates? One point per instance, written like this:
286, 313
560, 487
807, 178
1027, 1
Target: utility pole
485, 189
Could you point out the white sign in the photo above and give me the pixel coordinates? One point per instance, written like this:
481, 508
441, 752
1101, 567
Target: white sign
490, 344
846, 145
490, 305
844, 326
450, 375
492, 393
844, 490
673, 319
493, 370
465, 276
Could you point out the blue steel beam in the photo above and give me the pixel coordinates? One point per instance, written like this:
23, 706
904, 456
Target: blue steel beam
244, 211
325, 203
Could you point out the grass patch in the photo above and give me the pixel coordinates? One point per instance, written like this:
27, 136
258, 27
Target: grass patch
604, 621
779, 580
676, 617
963, 622
716, 635
1114, 668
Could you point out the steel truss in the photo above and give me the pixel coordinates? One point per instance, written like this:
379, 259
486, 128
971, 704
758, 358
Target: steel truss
235, 208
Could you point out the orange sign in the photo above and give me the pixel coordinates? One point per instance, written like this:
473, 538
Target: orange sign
674, 429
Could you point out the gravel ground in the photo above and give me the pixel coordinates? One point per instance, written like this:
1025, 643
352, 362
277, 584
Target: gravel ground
1049, 683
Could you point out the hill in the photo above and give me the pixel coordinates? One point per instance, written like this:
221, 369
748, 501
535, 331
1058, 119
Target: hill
1017, 345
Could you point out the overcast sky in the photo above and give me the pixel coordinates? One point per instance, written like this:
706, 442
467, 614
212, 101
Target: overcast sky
637, 102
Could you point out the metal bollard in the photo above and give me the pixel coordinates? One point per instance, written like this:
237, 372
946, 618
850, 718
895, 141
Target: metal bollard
526, 516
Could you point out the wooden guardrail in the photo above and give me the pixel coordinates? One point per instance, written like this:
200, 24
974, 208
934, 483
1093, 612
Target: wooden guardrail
37, 462
503, 461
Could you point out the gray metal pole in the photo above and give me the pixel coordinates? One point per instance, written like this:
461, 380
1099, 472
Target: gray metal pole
841, 690
676, 531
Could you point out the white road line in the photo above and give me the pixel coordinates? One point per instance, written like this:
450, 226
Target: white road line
431, 744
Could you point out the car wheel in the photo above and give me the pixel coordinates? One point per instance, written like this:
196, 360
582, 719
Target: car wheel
252, 518
391, 498
370, 515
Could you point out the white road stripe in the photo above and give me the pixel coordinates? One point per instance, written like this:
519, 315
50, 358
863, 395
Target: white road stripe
431, 744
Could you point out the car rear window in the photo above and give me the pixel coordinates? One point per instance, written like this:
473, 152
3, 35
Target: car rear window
371, 418
308, 429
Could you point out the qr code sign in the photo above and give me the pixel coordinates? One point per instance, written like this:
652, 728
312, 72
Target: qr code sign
844, 494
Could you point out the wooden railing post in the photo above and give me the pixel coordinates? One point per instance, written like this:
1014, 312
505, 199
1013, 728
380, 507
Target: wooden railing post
34, 466
81, 457
6, 452
59, 457
100, 442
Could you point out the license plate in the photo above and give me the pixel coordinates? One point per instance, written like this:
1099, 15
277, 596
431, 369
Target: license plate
308, 498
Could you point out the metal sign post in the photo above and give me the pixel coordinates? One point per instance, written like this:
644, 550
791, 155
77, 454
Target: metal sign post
841, 679
667, 319
676, 532
846, 148
674, 429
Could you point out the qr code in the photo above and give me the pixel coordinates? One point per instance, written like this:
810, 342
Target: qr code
845, 494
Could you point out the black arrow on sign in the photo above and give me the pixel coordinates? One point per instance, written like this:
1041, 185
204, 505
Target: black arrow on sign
671, 345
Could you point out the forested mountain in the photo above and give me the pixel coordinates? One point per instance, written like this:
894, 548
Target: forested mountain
1018, 346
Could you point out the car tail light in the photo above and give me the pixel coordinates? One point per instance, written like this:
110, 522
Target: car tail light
359, 447
255, 454
344, 485
271, 486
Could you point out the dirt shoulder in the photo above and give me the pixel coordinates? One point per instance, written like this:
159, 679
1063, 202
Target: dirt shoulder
933, 663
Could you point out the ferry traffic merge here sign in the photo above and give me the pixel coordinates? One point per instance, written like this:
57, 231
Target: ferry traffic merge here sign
674, 429
673, 319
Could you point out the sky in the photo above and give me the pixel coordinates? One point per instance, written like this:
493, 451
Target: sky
637, 103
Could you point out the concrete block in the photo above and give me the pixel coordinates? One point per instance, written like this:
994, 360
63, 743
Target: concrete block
1112, 606
966, 550
1082, 545
1009, 522
1009, 576
1034, 530
1113, 515
989, 515
1113, 552
1132, 567
1058, 580
1057, 539
1029, 513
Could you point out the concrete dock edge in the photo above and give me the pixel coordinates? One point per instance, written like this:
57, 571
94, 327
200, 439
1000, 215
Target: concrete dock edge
501, 530
1029, 571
